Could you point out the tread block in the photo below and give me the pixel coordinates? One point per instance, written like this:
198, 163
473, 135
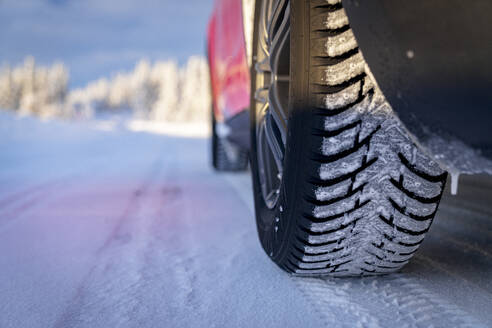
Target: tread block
338, 73
331, 20
334, 46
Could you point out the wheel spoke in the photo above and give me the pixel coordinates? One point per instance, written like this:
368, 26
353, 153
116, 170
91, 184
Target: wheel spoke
269, 182
277, 113
275, 143
280, 41
280, 67
278, 16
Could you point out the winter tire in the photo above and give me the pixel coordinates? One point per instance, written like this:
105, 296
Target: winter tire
340, 188
226, 156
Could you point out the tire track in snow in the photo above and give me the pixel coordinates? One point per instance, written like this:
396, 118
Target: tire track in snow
177, 251
332, 299
397, 300
104, 297
456, 287
148, 258
392, 301
411, 304
174, 255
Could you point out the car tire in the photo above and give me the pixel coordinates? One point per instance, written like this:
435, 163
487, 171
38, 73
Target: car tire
354, 195
226, 156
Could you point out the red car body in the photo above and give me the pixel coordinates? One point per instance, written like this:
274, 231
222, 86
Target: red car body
229, 70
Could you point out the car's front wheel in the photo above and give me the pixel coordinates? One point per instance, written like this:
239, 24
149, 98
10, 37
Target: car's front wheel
339, 186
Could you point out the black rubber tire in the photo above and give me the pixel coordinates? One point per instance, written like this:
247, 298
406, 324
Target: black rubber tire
357, 195
226, 156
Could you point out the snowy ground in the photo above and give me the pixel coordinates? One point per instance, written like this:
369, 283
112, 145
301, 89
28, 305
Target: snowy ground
131, 229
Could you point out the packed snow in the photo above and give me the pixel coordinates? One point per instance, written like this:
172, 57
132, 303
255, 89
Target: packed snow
102, 225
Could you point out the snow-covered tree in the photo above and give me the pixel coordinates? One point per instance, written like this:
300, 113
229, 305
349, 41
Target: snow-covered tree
166, 76
161, 91
34, 90
119, 92
27, 75
145, 91
8, 89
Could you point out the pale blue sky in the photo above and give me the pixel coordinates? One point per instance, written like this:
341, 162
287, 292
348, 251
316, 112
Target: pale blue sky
95, 38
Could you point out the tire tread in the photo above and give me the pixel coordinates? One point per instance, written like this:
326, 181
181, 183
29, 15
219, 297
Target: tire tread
353, 244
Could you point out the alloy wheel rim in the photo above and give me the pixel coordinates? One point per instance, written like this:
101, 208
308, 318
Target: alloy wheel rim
271, 95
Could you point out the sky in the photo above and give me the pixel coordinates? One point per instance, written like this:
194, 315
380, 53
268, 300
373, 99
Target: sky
96, 38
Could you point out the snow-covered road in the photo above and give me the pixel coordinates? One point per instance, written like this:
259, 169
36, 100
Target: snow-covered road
124, 229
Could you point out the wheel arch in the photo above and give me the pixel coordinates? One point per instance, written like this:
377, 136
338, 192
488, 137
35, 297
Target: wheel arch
431, 58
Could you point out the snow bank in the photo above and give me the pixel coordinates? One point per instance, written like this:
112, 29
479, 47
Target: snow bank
181, 129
